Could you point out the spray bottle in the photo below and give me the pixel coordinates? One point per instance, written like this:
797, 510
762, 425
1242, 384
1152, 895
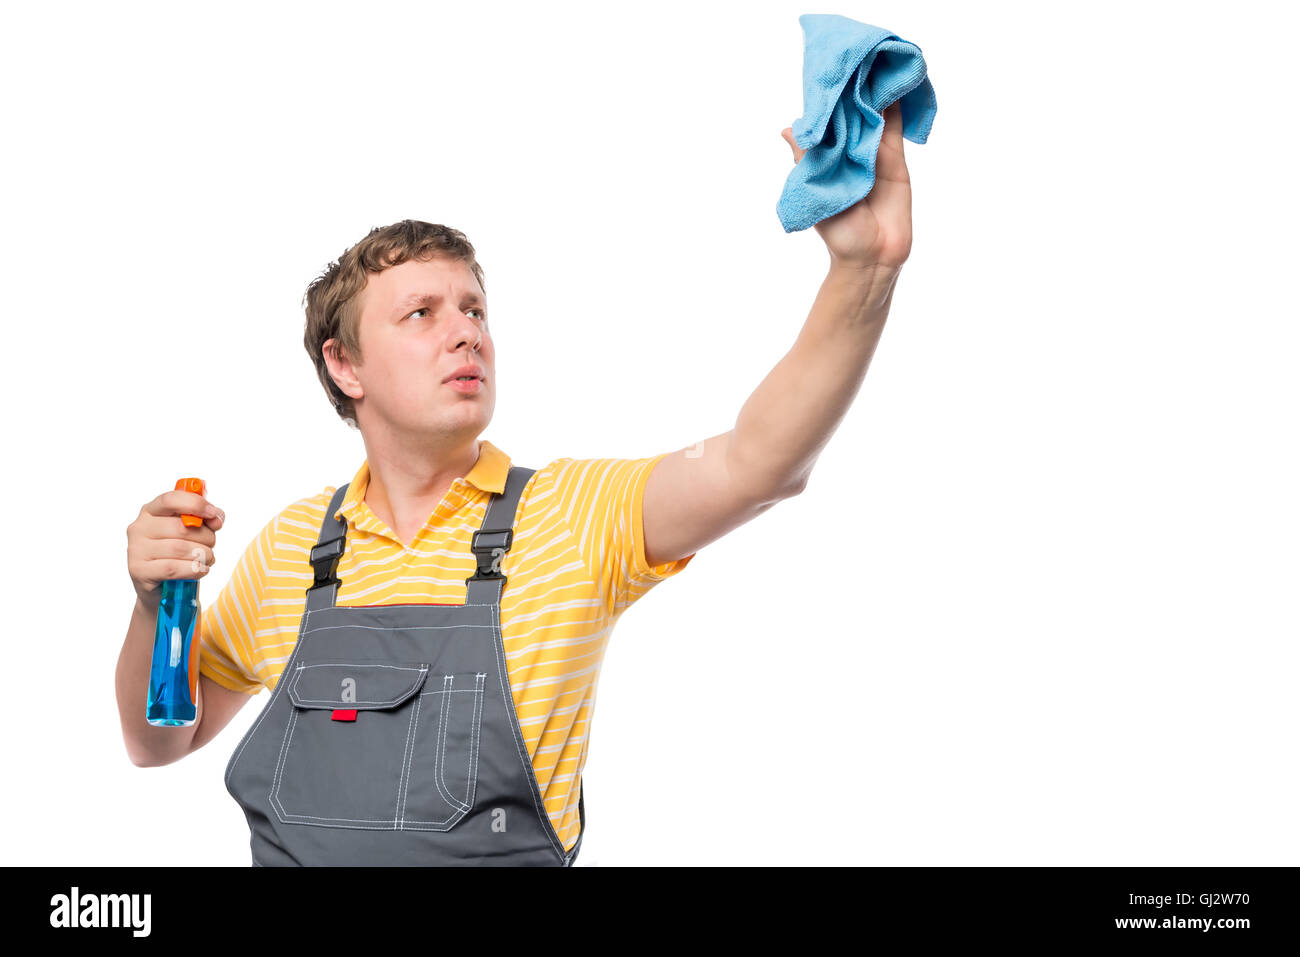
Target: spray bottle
174, 673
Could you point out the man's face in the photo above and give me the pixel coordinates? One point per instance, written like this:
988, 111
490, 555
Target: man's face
419, 324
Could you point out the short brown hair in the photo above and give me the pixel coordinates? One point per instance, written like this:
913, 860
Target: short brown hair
333, 300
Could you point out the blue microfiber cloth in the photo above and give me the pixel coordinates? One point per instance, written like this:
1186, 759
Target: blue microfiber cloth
852, 73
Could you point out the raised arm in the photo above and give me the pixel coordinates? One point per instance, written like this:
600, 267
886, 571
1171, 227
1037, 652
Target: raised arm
696, 495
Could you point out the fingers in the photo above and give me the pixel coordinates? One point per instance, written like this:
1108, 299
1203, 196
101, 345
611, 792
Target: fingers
893, 134
201, 533
890, 161
890, 154
160, 521
160, 546
177, 562
151, 561
178, 502
171, 529
787, 134
194, 557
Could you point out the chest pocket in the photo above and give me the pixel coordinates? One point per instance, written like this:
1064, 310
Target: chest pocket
406, 760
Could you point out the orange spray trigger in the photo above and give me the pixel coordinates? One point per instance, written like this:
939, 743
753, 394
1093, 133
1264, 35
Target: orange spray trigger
197, 486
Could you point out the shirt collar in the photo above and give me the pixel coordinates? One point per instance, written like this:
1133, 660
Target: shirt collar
488, 474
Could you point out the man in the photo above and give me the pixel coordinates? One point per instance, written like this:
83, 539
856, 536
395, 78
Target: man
466, 703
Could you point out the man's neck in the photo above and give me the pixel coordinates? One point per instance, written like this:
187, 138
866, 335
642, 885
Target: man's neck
404, 489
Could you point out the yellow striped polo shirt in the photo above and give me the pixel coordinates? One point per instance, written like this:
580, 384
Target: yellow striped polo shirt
577, 562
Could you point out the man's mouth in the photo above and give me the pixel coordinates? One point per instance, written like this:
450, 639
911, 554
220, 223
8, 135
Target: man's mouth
467, 372
470, 385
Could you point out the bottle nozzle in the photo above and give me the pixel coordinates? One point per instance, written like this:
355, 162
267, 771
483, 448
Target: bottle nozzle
197, 486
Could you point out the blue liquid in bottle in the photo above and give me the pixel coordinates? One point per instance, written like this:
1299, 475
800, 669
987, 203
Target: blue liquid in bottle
169, 675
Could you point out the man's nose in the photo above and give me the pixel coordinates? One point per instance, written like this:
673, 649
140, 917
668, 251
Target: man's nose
467, 334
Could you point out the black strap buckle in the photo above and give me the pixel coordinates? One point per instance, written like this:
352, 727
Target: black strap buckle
325, 560
489, 546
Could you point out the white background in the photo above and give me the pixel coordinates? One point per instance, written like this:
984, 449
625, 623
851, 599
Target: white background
1038, 602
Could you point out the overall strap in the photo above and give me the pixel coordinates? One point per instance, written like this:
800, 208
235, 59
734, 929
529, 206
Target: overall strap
490, 543
493, 539
325, 555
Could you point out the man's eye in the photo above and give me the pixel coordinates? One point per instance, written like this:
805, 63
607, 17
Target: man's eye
471, 309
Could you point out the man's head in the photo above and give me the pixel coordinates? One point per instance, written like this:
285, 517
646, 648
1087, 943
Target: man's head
393, 321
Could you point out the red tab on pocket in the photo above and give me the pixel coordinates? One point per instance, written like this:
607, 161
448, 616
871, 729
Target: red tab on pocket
341, 715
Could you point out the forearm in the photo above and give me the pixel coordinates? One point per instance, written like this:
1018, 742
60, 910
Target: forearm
146, 745
788, 420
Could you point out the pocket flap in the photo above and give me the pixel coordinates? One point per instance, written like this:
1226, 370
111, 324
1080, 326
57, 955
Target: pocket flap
349, 683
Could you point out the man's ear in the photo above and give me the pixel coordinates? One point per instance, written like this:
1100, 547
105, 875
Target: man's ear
341, 369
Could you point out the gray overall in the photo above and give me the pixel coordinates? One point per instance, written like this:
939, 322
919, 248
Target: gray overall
392, 737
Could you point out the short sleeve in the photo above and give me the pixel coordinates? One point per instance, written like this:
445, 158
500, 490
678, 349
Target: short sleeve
227, 626
602, 501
